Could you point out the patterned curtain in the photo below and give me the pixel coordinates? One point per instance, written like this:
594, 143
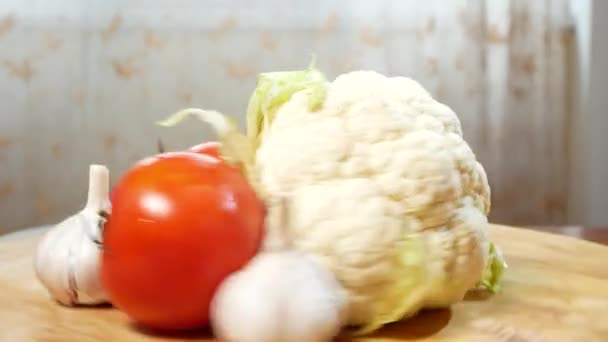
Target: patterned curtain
83, 81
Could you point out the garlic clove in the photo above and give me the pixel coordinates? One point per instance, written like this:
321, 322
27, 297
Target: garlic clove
68, 256
242, 310
323, 300
49, 266
86, 273
279, 297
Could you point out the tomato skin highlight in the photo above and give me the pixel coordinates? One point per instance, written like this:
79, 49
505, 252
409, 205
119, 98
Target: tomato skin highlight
180, 223
211, 148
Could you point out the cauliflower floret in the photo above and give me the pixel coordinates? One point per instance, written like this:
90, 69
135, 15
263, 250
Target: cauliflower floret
386, 193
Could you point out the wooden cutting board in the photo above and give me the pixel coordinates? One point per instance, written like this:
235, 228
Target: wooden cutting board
556, 289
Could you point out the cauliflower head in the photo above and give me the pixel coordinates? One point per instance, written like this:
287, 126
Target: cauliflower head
385, 191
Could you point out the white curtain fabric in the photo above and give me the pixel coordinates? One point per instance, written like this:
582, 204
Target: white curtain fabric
83, 82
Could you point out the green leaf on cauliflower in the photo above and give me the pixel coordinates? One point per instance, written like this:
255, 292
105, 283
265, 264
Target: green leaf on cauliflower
494, 270
273, 89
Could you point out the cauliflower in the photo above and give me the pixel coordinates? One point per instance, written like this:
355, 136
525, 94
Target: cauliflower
384, 190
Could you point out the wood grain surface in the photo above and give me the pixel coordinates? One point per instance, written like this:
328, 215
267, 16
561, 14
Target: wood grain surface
556, 289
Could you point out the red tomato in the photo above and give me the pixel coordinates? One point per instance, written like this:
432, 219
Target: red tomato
211, 148
180, 223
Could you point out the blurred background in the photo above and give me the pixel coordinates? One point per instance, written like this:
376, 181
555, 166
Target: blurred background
82, 82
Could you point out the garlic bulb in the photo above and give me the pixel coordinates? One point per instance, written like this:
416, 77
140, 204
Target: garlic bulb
68, 256
282, 295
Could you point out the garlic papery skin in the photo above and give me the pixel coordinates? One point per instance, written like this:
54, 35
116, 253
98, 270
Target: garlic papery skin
67, 259
282, 295
279, 297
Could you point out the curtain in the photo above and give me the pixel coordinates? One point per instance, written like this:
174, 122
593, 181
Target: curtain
83, 82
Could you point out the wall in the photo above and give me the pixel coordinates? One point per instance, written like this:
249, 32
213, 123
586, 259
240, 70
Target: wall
588, 187
83, 82
581, 13
594, 123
